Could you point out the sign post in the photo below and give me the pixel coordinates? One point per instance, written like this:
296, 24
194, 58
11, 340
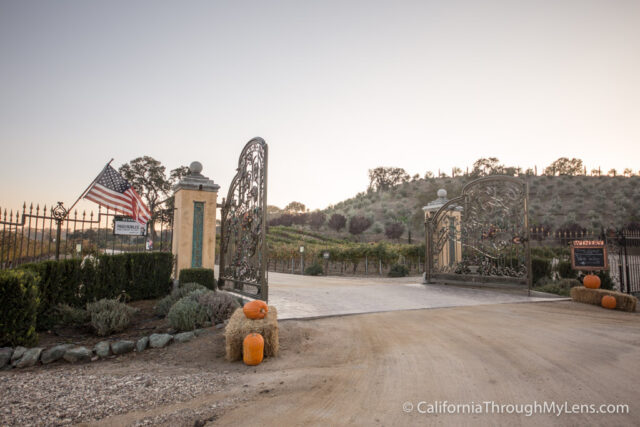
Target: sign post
325, 255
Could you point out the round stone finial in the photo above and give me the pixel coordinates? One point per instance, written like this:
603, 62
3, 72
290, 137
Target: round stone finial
442, 193
195, 168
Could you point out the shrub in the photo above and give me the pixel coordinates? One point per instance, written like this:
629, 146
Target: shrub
314, 270
187, 314
149, 274
561, 287
218, 305
565, 271
398, 270
75, 282
71, 316
109, 316
540, 267
203, 276
59, 282
164, 305
19, 301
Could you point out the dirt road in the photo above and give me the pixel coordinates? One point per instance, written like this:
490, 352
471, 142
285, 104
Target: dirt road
360, 370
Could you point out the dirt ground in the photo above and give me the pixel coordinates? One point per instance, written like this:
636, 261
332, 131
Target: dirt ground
364, 369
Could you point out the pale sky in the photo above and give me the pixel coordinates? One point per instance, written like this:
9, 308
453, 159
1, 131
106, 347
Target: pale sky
334, 87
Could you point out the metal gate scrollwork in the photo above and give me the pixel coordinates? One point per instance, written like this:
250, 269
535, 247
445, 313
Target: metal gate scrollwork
243, 248
482, 235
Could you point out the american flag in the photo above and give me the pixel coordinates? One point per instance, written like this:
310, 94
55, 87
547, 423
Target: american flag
111, 190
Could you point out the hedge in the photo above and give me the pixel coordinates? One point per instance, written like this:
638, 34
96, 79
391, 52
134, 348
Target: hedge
76, 282
540, 267
60, 282
150, 275
19, 301
202, 276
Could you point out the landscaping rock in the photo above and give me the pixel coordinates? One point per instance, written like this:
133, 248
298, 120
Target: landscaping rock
159, 340
142, 344
54, 353
77, 354
29, 358
18, 352
122, 347
5, 356
184, 337
102, 349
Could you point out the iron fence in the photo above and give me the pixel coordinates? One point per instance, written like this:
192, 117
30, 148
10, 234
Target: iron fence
624, 259
37, 233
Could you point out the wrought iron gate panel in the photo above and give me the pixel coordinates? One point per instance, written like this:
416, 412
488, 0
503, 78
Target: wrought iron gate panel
484, 232
243, 248
624, 259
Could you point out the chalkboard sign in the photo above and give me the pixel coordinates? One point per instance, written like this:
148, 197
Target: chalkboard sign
589, 257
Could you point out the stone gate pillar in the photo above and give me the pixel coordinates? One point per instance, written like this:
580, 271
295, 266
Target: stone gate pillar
194, 220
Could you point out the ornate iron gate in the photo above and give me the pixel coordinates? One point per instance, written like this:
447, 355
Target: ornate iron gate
481, 235
243, 247
624, 259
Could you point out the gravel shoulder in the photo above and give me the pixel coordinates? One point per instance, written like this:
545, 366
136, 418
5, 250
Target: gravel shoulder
356, 370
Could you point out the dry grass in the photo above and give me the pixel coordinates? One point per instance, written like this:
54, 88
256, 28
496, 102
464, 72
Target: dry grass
239, 327
624, 302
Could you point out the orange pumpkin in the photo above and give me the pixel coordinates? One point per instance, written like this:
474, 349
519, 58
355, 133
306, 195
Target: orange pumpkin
255, 309
591, 281
608, 302
253, 349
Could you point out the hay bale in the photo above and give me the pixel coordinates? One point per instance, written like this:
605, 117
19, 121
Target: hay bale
239, 327
624, 302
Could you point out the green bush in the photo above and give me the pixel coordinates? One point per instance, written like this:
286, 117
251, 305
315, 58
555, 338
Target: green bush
187, 314
605, 280
19, 307
219, 306
398, 270
560, 287
75, 282
540, 268
71, 316
109, 316
164, 305
314, 270
203, 276
565, 271
150, 275
60, 282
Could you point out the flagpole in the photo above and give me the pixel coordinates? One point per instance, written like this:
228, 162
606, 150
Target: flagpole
89, 187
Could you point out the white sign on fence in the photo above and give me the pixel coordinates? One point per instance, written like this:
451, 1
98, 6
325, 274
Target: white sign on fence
124, 226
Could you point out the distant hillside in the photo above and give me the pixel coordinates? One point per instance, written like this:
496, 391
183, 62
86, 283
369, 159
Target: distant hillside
590, 201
